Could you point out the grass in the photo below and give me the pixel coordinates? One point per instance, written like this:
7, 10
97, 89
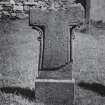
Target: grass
12, 99
24, 92
86, 94
94, 87
17, 96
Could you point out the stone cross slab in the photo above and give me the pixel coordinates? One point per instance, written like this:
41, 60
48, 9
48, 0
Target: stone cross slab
56, 34
54, 84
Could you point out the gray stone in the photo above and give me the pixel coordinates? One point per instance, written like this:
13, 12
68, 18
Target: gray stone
57, 34
55, 92
54, 85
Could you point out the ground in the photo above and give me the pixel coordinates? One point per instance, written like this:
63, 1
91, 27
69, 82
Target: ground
88, 65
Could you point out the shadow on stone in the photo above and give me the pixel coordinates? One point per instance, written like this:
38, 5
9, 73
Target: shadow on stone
24, 92
95, 87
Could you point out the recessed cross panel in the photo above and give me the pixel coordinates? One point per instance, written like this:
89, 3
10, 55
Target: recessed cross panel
57, 34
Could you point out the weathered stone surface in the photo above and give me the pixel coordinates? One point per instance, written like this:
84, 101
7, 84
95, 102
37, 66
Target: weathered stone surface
19, 50
55, 92
97, 11
57, 33
64, 72
56, 59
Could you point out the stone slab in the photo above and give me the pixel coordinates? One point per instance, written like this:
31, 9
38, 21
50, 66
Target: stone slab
56, 35
63, 72
54, 92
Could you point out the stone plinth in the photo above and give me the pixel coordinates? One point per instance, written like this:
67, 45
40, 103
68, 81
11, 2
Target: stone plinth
54, 92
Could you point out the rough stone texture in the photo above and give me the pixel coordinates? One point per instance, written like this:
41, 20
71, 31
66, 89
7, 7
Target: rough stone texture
57, 35
19, 52
97, 11
89, 56
54, 93
85, 56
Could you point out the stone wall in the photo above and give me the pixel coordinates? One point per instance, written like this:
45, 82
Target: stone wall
97, 11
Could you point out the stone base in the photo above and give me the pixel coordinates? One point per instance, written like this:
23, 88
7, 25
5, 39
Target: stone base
54, 92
